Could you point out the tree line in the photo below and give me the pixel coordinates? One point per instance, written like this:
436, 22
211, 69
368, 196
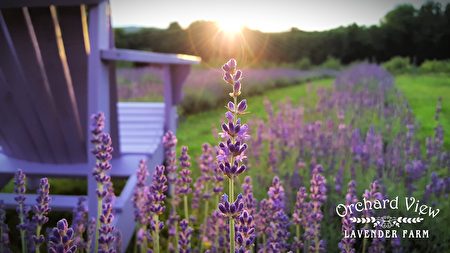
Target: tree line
418, 33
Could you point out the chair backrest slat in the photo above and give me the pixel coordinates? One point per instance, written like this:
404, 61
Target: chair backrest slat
29, 55
73, 23
21, 102
16, 139
60, 79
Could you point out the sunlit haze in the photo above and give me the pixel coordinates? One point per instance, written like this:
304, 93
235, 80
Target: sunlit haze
267, 16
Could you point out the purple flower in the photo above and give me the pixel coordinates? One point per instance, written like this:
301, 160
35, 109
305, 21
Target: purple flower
338, 178
231, 152
4, 237
106, 237
414, 171
372, 194
396, 245
170, 144
346, 245
61, 239
232, 210
300, 215
157, 191
185, 180
80, 223
139, 195
249, 200
22, 210
91, 228
185, 237
278, 223
41, 210
245, 233
202, 185
318, 196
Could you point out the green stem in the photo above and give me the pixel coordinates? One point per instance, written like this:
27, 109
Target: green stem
176, 237
364, 245
99, 212
204, 224
297, 232
38, 232
186, 209
22, 232
264, 242
231, 192
156, 234
144, 245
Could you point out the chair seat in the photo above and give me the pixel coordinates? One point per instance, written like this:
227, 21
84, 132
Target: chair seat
140, 126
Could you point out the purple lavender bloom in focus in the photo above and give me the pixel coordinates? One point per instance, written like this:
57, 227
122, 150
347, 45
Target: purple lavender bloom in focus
185, 237
61, 239
106, 237
232, 210
157, 191
245, 233
41, 210
102, 151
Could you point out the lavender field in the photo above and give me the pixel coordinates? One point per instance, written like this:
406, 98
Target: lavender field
203, 90
284, 176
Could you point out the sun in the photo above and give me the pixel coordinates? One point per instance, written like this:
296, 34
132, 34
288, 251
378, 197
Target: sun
230, 27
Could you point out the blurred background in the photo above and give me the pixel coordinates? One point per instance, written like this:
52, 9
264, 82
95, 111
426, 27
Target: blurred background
277, 44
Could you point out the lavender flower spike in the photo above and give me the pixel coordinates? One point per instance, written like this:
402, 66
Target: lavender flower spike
20, 189
139, 193
232, 210
249, 200
106, 237
245, 233
102, 151
318, 196
231, 151
61, 239
346, 244
185, 237
299, 217
41, 210
185, 180
156, 199
80, 223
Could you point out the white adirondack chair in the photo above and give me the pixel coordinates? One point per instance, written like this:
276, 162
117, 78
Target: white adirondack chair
56, 69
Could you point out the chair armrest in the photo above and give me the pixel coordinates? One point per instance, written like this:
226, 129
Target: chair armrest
147, 57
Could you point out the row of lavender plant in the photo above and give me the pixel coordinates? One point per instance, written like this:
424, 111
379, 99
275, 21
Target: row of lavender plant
199, 217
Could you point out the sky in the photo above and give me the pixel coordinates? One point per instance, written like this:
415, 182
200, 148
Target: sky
263, 15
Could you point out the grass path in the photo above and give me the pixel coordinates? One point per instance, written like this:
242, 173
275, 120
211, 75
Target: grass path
422, 93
